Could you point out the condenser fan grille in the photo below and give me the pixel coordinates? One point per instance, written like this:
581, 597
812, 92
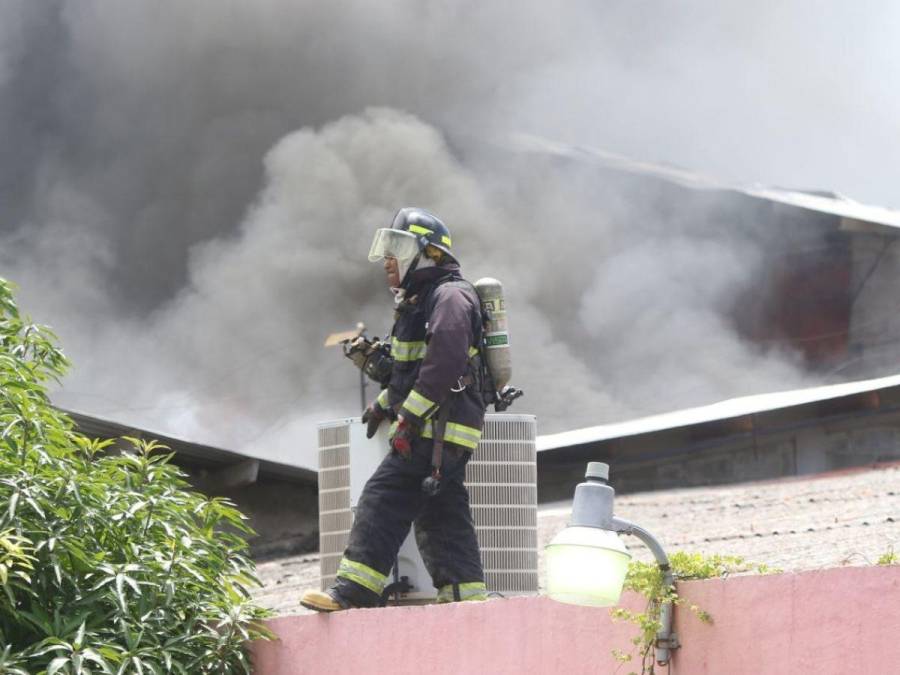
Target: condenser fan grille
502, 482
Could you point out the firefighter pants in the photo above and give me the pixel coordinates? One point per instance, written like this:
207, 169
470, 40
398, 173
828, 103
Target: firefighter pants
391, 501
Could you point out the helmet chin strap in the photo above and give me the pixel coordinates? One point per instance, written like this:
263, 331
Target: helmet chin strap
404, 282
418, 263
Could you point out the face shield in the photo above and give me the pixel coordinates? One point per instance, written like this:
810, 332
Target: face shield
399, 244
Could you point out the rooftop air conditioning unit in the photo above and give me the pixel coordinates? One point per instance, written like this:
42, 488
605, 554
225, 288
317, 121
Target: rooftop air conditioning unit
502, 482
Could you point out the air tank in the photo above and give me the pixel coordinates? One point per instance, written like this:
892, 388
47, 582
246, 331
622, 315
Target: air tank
496, 332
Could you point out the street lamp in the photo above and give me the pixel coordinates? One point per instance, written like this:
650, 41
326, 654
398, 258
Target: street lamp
587, 562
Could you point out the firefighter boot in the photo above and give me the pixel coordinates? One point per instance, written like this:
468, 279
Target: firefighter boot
323, 601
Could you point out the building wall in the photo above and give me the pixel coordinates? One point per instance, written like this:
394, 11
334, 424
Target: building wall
284, 514
812, 450
874, 344
830, 622
733, 451
800, 298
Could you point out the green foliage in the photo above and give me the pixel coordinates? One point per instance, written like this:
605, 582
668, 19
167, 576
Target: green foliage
647, 580
108, 562
889, 557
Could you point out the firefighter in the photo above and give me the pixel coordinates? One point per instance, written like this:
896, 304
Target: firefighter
435, 406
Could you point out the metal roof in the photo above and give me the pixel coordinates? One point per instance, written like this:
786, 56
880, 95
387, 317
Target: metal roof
820, 202
722, 410
189, 452
813, 522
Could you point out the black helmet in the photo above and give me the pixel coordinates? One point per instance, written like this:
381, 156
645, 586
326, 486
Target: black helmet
426, 226
412, 231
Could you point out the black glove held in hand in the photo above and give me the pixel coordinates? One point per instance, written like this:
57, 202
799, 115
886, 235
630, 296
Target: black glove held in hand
373, 417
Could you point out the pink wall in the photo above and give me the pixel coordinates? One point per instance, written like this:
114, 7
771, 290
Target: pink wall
839, 621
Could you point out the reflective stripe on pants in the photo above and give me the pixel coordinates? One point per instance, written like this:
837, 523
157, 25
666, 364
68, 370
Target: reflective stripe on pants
362, 574
471, 591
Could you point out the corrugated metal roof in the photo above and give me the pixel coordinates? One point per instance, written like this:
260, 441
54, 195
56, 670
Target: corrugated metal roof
735, 407
193, 453
837, 205
829, 203
843, 518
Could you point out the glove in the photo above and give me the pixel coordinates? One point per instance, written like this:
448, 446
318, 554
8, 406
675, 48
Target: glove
401, 443
373, 416
372, 357
379, 364
357, 350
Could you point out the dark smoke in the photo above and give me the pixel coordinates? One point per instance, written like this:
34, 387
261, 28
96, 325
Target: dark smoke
188, 191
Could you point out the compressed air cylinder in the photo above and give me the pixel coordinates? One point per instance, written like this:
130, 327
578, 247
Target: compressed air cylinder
496, 332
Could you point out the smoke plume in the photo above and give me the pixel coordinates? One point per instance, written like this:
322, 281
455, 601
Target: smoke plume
188, 191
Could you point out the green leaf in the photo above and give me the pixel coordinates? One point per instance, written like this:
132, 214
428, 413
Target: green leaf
120, 589
13, 501
56, 664
94, 657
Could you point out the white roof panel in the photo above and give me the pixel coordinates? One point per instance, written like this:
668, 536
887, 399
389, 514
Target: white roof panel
734, 407
837, 206
834, 204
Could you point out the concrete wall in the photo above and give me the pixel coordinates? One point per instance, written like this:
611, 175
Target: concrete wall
831, 622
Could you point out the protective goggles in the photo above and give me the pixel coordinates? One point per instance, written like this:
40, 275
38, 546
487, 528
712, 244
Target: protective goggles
399, 244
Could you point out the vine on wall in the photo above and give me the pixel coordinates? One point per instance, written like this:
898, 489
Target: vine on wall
647, 580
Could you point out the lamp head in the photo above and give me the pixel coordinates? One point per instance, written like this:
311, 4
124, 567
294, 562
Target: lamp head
587, 562
593, 503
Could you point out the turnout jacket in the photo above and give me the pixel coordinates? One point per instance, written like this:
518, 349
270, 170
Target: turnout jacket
435, 343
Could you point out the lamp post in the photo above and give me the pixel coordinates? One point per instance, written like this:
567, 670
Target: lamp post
587, 562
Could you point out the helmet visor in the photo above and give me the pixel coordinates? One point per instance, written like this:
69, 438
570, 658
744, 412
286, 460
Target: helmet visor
404, 246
